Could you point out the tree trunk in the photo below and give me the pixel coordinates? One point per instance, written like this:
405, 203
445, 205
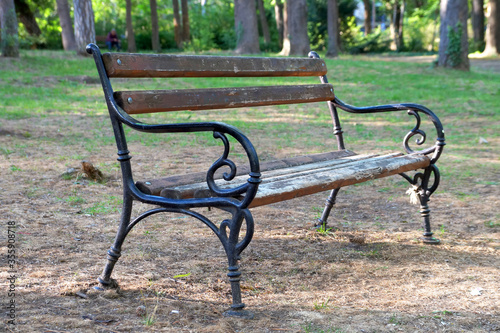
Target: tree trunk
27, 18
477, 16
368, 17
131, 47
493, 31
245, 25
296, 40
177, 24
186, 36
278, 13
10, 37
263, 22
84, 25
397, 26
453, 45
155, 31
333, 28
67, 31
400, 43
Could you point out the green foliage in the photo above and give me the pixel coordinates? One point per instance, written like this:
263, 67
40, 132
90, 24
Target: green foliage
454, 50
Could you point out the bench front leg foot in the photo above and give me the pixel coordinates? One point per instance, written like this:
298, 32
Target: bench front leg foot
233, 249
114, 252
330, 201
237, 306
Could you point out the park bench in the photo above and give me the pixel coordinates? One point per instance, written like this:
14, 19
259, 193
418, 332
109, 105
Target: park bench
253, 184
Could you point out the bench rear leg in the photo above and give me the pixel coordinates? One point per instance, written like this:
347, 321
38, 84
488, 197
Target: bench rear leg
330, 201
423, 192
114, 252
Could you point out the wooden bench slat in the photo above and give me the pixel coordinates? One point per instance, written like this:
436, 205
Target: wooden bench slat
343, 176
149, 101
153, 65
155, 186
288, 183
200, 190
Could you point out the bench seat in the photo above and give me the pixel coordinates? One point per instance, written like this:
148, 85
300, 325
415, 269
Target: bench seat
293, 177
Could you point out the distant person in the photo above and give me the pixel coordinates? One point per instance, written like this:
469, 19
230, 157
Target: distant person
112, 40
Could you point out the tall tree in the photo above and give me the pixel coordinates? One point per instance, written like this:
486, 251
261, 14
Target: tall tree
245, 25
295, 38
477, 16
131, 47
84, 25
398, 23
186, 35
177, 24
333, 28
263, 22
27, 18
67, 31
155, 31
493, 30
453, 45
278, 14
10, 37
368, 17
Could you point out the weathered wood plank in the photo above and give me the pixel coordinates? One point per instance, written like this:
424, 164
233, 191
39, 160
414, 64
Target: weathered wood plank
148, 101
322, 181
285, 174
289, 183
153, 65
155, 186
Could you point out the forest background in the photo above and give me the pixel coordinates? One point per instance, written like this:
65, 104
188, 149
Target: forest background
288, 27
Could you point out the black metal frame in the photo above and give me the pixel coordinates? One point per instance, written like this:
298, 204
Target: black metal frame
228, 230
420, 180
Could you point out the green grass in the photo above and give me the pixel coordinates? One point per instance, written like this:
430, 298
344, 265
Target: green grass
48, 84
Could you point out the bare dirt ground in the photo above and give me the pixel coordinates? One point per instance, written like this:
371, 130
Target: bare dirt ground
172, 273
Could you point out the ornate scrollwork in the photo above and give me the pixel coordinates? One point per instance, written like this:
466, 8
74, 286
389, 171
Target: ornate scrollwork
224, 161
420, 183
415, 131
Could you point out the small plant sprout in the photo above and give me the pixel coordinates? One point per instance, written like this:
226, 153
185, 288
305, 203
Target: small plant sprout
323, 230
322, 306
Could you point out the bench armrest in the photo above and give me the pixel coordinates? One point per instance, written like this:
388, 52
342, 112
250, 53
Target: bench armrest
220, 131
414, 110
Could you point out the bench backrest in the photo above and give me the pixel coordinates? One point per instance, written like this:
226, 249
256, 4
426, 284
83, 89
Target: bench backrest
123, 65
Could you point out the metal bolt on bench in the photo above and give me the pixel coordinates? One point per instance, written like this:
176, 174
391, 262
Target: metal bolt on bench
257, 183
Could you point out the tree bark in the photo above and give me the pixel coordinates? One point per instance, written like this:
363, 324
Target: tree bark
131, 47
368, 17
333, 28
263, 22
67, 31
186, 35
84, 25
245, 25
10, 36
295, 39
177, 24
155, 31
27, 18
453, 45
493, 31
400, 43
477, 16
278, 14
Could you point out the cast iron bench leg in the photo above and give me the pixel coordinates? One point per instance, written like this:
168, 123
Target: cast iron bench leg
423, 196
115, 251
330, 201
233, 249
